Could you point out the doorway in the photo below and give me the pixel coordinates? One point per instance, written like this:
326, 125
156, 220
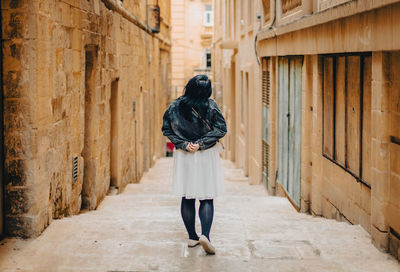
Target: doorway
289, 126
246, 123
88, 174
114, 129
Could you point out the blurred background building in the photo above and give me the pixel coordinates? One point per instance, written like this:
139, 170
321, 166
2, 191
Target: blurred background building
192, 31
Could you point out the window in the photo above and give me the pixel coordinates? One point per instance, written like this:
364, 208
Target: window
208, 60
208, 16
266, 93
347, 113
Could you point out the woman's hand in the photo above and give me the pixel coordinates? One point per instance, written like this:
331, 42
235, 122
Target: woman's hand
191, 147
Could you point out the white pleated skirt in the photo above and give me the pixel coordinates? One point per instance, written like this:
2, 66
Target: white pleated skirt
198, 174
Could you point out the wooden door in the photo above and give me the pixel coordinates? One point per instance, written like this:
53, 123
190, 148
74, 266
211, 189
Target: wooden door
289, 126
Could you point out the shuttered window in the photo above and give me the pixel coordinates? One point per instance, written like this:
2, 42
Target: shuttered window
266, 94
347, 113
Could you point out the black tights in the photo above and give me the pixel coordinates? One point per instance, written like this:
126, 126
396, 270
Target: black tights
206, 214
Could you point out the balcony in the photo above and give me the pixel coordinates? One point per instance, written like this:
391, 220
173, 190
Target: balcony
206, 32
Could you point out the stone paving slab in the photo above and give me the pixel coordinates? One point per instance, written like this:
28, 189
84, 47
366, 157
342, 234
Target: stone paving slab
141, 230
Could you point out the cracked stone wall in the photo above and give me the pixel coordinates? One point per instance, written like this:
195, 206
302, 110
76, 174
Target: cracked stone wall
61, 59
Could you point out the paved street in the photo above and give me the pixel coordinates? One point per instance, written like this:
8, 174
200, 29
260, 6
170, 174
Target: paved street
141, 230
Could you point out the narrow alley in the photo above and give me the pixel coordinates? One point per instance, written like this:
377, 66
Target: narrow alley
141, 230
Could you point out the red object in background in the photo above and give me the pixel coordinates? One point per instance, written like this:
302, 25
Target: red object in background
170, 146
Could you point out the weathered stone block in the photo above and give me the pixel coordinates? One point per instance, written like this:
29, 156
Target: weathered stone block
43, 111
378, 214
61, 36
60, 81
380, 184
76, 18
380, 238
22, 226
394, 66
381, 97
59, 58
393, 215
44, 82
380, 123
394, 245
17, 201
15, 173
76, 61
395, 189
43, 142
87, 6
365, 220
365, 198
65, 14
13, 4
56, 195
12, 55
380, 66
16, 144
13, 24
57, 109
45, 7
395, 124
380, 157
17, 114
69, 82
44, 32
395, 158
44, 56
13, 84
76, 39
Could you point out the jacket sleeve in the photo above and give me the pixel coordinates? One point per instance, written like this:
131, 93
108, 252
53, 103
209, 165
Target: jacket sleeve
168, 132
218, 130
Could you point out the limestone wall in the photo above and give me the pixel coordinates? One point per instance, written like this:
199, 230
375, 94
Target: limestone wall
76, 74
237, 72
329, 189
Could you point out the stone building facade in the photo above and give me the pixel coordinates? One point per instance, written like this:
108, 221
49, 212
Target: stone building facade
84, 82
191, 37
327, 94
236, 74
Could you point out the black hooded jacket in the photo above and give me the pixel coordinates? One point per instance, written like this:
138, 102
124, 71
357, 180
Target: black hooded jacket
181, 131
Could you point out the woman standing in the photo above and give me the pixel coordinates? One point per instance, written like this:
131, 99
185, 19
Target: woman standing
194, 124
